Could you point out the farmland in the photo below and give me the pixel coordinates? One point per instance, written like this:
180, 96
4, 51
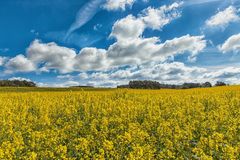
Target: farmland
45, 123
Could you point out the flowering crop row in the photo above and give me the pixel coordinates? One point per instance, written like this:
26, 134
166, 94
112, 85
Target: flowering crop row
121, 124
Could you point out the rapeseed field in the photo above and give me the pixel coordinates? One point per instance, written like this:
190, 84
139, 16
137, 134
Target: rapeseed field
120, 124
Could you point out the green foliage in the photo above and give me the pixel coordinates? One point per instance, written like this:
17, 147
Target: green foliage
16, 83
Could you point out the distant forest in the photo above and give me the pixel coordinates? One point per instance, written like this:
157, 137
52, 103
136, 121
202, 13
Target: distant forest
157, 85
16, 83
131, 85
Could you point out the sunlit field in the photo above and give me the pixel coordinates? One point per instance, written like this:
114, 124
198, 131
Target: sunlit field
119, 124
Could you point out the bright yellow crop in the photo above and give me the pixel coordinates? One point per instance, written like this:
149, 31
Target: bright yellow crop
121, 124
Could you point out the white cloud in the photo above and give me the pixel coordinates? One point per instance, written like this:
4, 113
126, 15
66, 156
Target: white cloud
229, 75
223, 18
20, 79
83, 75
175, 73
139, 50
99, 76
3, 60
19, 64
66, 76
187, 43
91, 59
128, 28
85, 14
142, 50
51, 56
122, 74
133, 52
156, 18
91, 8
168, 73
130, 48
198, 2
69, 83
232, 44
118, 4
132, 27
165, 72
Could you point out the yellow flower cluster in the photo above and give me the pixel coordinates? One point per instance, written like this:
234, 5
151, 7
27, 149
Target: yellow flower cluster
121, 124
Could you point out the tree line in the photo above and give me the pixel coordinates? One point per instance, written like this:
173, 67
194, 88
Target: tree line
16, 83
132, 84
157, 85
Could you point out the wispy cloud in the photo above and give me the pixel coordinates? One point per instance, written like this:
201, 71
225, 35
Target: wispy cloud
4, 50
77, 39
85, 14
198, 2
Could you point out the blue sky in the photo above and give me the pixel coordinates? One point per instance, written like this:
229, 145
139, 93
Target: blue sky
110, 42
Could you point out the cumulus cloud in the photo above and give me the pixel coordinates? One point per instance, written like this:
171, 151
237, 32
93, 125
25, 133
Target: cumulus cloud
20, 79
67, 76
91, 8
232, 44
51, 56
91, 59
175, 73
156, 18
19, 64
187, 43
165, 72
68, 83
83, 75
229, 75
142, 50
223, 18
128, 28
132, 27
118, 4
3, 60
130, 48
113, 5
168, 73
